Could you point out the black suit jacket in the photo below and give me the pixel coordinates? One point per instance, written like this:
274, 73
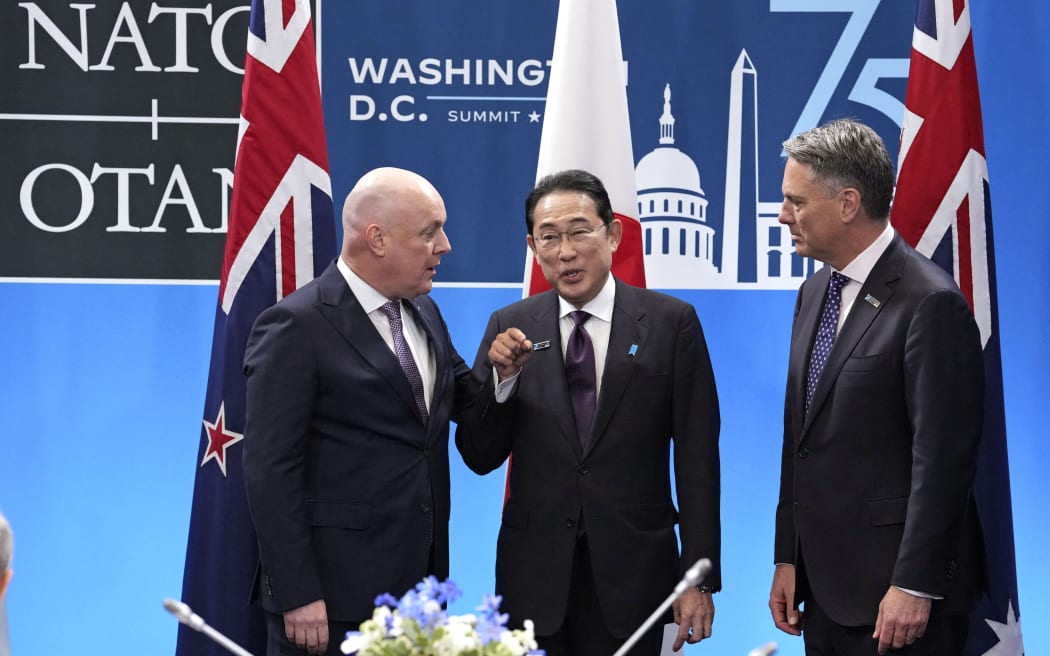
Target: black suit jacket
875, 479
346, 485
657, 387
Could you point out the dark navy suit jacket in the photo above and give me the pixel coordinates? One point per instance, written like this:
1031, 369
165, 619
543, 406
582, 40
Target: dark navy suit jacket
347, 487
876, 478
658, 388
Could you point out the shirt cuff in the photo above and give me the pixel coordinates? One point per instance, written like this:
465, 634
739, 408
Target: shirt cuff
506, 388
916, 593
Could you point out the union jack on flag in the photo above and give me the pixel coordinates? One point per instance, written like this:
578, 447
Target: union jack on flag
942, 207
281, 234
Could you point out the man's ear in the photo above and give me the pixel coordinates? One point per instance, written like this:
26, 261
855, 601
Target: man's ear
532, 243
849, 199
375, 237
615, 234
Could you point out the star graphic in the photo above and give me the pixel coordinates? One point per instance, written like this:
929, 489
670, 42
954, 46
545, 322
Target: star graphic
219, 439
534, 117
1009, 634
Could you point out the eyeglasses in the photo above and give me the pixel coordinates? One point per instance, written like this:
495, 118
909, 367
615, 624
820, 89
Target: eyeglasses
549, 240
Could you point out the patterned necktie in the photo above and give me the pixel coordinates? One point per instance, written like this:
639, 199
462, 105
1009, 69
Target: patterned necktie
579, 372
829, 322
392, 310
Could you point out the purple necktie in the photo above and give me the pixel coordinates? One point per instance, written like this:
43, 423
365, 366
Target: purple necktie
392, 310
579, 372
829, 323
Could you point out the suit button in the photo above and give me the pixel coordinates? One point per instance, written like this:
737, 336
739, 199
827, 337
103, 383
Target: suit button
803, 453
570, 522
583, 469
425, 507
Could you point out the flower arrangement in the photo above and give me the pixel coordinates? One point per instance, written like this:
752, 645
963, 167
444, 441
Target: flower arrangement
417, 625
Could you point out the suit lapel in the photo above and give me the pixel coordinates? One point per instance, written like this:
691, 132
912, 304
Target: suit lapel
548, 367
627, 337
862, 315
342, 309
427, 318
806, 325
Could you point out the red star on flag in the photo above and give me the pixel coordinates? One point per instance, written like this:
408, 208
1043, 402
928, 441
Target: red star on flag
219, 439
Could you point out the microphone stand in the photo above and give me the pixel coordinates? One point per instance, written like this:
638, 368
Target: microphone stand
767, 649
692, 578
186, 616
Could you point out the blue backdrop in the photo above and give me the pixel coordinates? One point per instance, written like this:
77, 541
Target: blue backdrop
102, 384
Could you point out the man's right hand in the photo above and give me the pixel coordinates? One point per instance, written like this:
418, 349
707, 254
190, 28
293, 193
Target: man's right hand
786, 617
509, 352
307, 627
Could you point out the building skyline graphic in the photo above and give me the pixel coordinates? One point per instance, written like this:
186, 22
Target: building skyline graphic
683, 248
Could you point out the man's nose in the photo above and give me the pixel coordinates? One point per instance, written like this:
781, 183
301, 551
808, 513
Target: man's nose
442, 245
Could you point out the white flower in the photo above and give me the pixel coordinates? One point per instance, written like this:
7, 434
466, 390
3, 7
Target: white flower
354, 643
388, 624
459, 636
418, 624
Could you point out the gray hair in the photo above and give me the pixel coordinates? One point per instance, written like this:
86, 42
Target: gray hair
846, 153
7, 544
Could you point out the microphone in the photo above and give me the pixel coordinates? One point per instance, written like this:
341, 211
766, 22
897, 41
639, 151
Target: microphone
693, 576
186, 616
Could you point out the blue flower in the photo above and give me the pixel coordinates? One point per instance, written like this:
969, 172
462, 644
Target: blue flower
443, 592
422, 608
418, 624
491, 623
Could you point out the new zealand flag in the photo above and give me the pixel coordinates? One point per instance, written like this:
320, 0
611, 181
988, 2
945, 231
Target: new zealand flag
281, 234
942, 206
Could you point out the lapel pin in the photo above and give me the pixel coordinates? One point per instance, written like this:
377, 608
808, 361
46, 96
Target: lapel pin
539, 346
631, 351
875, 303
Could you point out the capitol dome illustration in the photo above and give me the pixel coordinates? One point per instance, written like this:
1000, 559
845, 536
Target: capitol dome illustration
743, 245
678, 242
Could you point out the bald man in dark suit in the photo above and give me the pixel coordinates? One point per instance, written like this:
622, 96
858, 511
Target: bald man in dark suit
346, 444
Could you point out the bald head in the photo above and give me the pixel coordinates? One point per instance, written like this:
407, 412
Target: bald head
393, 231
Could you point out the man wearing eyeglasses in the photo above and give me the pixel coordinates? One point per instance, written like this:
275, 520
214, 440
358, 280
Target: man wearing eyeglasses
588, 385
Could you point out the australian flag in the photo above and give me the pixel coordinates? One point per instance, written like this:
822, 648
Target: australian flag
942, 206
281, 234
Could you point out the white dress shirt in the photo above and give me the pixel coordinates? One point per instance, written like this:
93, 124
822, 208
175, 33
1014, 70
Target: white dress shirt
858, 271
371, 300
598, 327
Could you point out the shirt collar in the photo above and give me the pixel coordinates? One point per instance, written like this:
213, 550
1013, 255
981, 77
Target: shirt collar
860, 268
370, 299
601, 306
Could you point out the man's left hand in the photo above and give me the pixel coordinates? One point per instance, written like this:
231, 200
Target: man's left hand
902, 619
694, 613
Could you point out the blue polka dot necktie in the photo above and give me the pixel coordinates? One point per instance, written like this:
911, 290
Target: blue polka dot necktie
392, 310
829, 322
